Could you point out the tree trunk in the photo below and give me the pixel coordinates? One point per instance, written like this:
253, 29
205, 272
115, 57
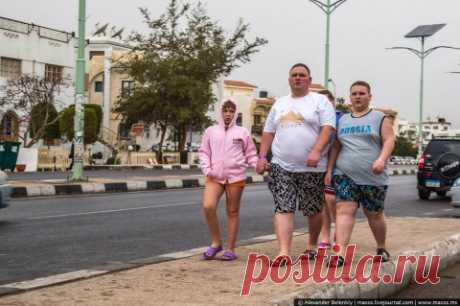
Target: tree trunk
163, 129
182, 133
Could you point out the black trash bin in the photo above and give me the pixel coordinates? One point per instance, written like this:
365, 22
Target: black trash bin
2, 153
9, 151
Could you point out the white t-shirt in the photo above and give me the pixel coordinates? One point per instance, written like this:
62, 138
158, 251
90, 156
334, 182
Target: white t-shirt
296, 123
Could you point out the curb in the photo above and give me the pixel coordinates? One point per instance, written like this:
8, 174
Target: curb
113, 187
129, 186
448, 250
59, 279
135, 167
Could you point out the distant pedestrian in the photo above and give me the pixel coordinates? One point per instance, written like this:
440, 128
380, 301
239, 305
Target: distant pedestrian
358, 164
226, 152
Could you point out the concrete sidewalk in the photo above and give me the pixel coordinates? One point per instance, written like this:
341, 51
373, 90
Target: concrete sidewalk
183, 278
34, 188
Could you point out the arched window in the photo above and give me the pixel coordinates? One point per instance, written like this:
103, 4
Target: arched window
9, 126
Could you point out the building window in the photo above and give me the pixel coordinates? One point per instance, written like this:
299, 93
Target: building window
444, 128
257, 120
10, 68
98, 86
239, 119
9, 127
435, 127
127, 88
53, 73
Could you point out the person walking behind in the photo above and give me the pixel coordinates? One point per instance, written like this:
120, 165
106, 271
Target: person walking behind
298, 128
365, 140
226, 152
329, 192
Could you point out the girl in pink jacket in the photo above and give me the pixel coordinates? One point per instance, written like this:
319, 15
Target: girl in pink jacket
226, 152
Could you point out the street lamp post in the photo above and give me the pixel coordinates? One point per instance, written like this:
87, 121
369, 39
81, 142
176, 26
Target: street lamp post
80, 96
328, 8
333, 84
422, 32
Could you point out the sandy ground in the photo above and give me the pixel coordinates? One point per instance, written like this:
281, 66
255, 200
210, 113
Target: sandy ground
192, 281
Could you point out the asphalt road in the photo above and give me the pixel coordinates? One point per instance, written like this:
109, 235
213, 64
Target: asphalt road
47, 236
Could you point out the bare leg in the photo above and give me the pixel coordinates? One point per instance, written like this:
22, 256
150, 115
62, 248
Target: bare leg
314, 228
284, 226
378, 226
325, 228
233, 194
328, 217
346, 212
212, 193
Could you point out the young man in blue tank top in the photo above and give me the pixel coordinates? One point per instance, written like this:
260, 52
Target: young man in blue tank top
357, 168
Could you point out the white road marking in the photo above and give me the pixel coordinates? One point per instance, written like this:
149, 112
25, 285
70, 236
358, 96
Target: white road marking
114, 210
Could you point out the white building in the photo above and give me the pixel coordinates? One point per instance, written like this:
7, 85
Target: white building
430, 128
26, 48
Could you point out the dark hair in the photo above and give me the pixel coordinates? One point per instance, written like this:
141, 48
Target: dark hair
362, 83
300, 65
230, 104
327, 93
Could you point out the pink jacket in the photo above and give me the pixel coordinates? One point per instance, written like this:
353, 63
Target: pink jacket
226, 154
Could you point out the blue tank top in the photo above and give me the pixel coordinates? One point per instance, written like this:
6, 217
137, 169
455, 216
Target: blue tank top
361, 142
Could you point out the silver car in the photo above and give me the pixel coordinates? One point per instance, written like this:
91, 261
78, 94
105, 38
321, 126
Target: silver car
5, 190
454, 193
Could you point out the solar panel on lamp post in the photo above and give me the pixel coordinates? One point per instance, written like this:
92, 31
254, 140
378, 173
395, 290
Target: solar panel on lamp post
422, 32
328, 8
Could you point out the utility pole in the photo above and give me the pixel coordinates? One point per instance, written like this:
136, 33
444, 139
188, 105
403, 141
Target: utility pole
328, 8
80, 97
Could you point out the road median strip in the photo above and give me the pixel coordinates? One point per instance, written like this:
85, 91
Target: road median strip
36, 190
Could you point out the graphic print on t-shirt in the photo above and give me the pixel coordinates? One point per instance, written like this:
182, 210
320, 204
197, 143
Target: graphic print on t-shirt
291, 117
296, 123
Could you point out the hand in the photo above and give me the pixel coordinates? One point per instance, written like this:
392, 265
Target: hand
313, 158
261, 166
378, 166
328, 179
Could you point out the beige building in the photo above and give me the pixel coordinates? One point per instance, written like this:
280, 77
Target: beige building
107, 82
243, 93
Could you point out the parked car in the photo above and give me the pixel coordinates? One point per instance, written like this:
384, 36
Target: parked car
454, 193
5, 190
438, 167
194, 147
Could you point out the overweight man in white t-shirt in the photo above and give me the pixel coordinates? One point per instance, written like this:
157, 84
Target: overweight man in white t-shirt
298, 128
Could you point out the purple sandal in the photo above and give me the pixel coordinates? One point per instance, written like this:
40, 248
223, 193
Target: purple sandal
211, 252
229, 256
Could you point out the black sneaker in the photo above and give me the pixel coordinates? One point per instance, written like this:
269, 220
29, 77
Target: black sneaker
384, 253
311, 254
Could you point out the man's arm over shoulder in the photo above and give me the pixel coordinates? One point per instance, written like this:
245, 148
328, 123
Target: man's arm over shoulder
326, 112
